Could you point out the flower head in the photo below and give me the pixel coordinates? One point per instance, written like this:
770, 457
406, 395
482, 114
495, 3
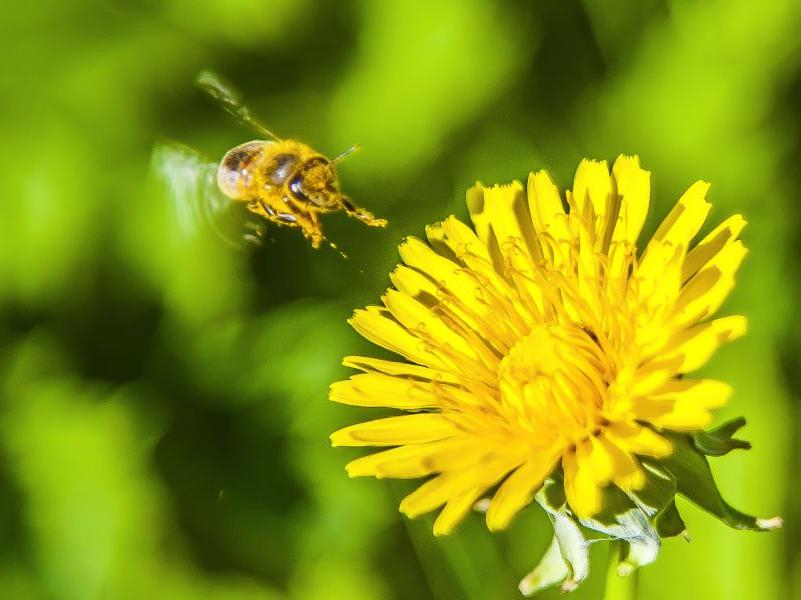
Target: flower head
542, 345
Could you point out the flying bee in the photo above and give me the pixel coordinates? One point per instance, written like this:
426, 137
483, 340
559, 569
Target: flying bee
284, 181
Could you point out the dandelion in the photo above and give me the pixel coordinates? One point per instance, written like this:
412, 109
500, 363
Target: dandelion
545, 356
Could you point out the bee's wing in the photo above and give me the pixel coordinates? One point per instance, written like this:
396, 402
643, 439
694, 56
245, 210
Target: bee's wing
189, 181
228, 97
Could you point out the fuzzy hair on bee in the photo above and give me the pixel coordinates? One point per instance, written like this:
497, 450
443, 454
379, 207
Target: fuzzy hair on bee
284, 181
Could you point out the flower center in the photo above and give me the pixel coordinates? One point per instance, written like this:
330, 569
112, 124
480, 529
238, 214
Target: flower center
554, 382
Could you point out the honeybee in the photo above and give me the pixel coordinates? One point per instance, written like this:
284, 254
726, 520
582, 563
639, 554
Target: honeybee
283, 181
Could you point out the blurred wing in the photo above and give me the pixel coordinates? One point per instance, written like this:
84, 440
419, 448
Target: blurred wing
226, 96
190, 183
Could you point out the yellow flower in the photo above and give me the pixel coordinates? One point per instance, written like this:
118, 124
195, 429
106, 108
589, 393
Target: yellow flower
542, 339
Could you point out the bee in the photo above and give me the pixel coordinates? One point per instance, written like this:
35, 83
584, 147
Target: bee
284, 181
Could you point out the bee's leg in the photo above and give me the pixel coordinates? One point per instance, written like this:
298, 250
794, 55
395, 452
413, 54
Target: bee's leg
307, 221
308, 225
365, 216
254, 233
312, 228
284, 219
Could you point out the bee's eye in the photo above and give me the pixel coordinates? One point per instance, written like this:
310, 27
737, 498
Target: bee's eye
296, 187
281, 168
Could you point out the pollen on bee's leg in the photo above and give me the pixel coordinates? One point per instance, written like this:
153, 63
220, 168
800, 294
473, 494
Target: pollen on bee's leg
369, 219
373, 222
311, 229
335, 248
365, 216
315, 237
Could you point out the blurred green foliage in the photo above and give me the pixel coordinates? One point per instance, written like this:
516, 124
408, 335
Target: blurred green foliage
163, 412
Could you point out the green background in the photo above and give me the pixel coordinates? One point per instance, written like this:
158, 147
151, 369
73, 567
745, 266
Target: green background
163, 414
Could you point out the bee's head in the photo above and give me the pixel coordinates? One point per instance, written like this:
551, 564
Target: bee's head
316, 182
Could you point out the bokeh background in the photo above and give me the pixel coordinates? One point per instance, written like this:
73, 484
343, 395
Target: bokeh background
163, 399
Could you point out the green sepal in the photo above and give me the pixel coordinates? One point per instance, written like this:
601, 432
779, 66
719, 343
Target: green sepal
573, 546
658, 492
615, 503
551, 570
638, 518
620, 517
669, 522
657, 499
626, 518
552, 493
694, 481
638, 553
719, 441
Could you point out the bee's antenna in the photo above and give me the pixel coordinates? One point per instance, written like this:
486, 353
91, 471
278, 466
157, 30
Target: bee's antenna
229, 99
351, 150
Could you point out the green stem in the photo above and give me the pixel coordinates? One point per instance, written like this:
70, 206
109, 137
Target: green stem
617, 587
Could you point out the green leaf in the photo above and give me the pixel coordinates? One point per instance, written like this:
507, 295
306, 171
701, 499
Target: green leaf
695, 482
718, 442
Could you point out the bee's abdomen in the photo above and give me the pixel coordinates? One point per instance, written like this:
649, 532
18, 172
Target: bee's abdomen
235, 172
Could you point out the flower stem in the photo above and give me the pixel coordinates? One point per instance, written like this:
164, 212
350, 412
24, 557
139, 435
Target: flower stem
617, 587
